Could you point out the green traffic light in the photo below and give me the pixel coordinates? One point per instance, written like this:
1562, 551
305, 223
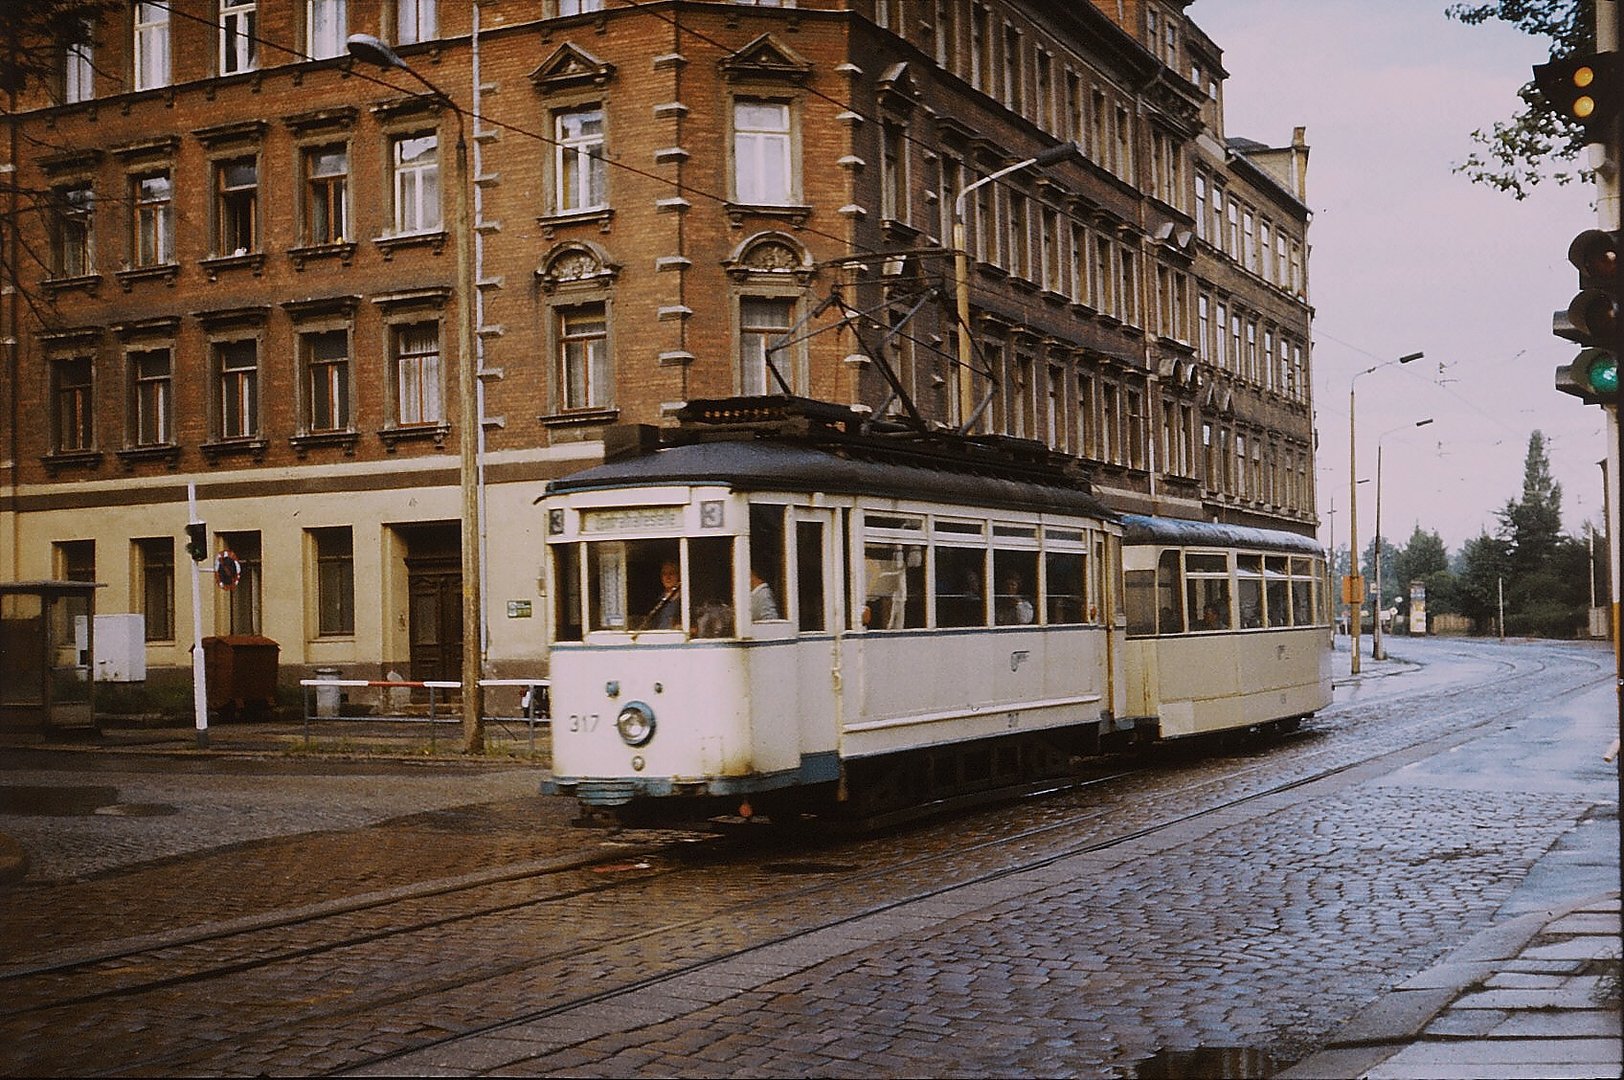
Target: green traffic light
1603, 374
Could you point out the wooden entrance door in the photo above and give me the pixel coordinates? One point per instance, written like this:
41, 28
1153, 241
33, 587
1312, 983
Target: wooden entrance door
435, 619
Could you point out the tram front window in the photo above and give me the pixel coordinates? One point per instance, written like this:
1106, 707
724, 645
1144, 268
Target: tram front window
710, 562
566, 592
635, 585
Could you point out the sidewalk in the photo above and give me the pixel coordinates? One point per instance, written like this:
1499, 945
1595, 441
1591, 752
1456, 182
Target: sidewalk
354, 740
1537, 996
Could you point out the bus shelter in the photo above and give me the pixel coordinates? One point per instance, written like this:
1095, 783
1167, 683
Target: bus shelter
47, 644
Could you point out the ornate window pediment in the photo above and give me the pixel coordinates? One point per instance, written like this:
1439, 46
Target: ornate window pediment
766, 58
576, 265
769, 256
898, 88
571, 66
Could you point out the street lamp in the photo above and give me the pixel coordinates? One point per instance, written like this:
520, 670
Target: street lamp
1354, 586
961, 266
371, 50
1376, 651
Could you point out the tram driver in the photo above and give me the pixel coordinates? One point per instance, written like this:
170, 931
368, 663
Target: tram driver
667, 611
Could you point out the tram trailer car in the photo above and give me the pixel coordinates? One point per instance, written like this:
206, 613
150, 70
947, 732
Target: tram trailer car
1227, 627
752, 622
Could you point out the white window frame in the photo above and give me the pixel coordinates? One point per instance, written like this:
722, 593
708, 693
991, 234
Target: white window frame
415, 21
239, 47
153, 242
758, 150
79, 68
752, 360
326, 27
580, 174
151, 45
413, 182
426, 367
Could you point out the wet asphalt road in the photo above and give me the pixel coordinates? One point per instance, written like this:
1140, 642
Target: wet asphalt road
1075, 935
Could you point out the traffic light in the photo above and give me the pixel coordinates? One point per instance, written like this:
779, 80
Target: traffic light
1592, 318
197, 541
1585, 89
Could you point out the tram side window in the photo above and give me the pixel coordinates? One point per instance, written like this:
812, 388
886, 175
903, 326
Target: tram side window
1207, 591
1139, 599
1169, 594
567, 592
1249, 589
1015, 574
1066, 572
809, 576
961, 595
1276, 584
710, 565
896, 586
766, 563
1302, 591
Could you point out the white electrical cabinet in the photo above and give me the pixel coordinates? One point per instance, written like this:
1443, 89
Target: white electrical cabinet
121, 648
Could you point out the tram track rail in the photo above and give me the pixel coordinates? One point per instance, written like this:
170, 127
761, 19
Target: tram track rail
97, 965
1425, 746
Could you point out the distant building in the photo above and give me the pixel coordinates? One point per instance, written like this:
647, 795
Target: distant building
239, 272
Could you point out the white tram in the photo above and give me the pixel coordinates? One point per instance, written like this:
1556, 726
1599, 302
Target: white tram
773, 612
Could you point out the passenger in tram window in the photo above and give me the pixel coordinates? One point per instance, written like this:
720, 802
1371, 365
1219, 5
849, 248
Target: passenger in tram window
1014, 606
667, 611
763, 605
1210, 619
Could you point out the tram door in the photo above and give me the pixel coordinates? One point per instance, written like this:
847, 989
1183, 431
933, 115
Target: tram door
434, 620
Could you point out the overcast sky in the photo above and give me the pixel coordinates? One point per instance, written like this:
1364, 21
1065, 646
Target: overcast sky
1409, 256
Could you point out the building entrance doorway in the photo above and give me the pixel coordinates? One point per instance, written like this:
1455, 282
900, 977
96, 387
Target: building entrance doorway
434, 602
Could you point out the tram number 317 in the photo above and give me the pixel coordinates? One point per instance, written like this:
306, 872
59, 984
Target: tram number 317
587, 722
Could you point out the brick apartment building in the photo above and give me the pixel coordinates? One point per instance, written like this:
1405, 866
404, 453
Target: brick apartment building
235, 267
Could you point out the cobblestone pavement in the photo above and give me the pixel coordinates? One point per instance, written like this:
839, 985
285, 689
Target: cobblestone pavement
1264, 926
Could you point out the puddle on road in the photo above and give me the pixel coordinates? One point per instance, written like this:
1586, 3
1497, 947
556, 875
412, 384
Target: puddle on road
39, 801
1208, 1063
809, 868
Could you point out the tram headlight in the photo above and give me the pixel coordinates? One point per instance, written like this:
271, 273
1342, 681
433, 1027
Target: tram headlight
635, 724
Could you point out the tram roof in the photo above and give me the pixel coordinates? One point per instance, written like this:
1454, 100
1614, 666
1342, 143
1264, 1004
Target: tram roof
1146, 529
766, 465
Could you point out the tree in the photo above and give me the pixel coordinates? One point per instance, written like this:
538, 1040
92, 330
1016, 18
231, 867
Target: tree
1480, 569
25, 66
1535, 143
1533, 525
1425, 559
35, 36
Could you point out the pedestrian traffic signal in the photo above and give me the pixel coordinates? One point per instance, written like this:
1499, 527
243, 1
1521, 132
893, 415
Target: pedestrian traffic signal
1583, 89
1592, 318
197, 541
